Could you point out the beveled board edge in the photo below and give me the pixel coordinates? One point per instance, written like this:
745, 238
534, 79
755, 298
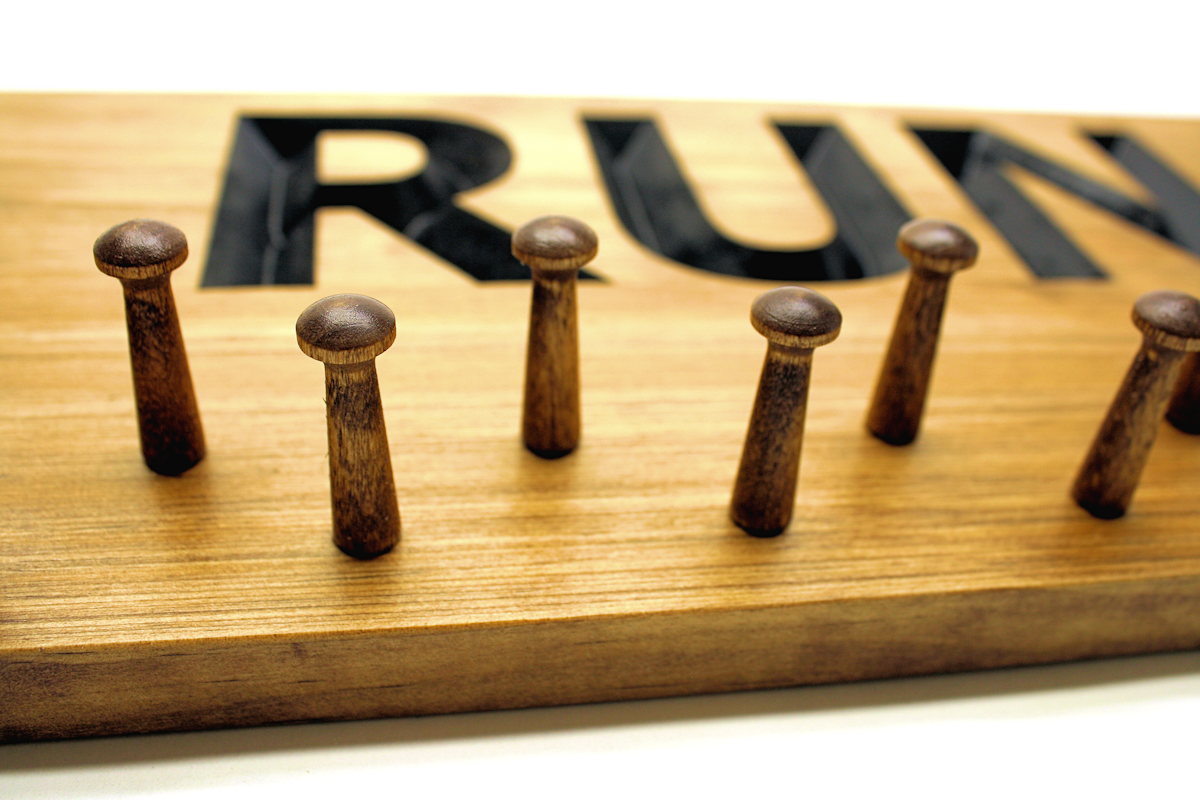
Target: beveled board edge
238, 682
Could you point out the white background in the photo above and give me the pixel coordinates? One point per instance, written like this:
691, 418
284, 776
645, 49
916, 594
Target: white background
1114, 728
1135, 58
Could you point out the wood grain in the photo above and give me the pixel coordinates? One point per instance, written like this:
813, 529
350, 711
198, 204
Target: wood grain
131, 602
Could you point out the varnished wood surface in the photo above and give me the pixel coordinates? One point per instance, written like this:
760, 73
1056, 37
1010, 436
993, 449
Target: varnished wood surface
134, 602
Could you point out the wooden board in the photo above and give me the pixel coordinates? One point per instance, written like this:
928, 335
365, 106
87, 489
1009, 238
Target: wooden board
130, 602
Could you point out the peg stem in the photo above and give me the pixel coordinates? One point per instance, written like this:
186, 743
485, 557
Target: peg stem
764, 492
551, 420
899, 400
1183, 410
1114, 463
366, 513
169, 425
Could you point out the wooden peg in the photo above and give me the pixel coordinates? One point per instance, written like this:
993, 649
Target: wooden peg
795, 322
1170, 326
1184, 409
935, 250
554, 248
347, 332
142, 254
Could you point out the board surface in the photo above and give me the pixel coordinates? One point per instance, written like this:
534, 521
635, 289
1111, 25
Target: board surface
131, 602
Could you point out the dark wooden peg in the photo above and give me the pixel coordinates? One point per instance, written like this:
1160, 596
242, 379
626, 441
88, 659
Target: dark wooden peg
1183, 411
142, 253
347, 332
1170, 326
554, 248
935, 250
795, 321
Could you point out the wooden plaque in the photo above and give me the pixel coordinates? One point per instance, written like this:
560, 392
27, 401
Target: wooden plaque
132, 602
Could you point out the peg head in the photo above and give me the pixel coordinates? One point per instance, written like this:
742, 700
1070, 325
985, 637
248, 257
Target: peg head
140, 249
555, 244
796, 317
346, 329
937, 246
1169, 319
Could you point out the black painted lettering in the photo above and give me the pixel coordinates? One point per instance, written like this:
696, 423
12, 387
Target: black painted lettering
977, 160
263, 233
652, 199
